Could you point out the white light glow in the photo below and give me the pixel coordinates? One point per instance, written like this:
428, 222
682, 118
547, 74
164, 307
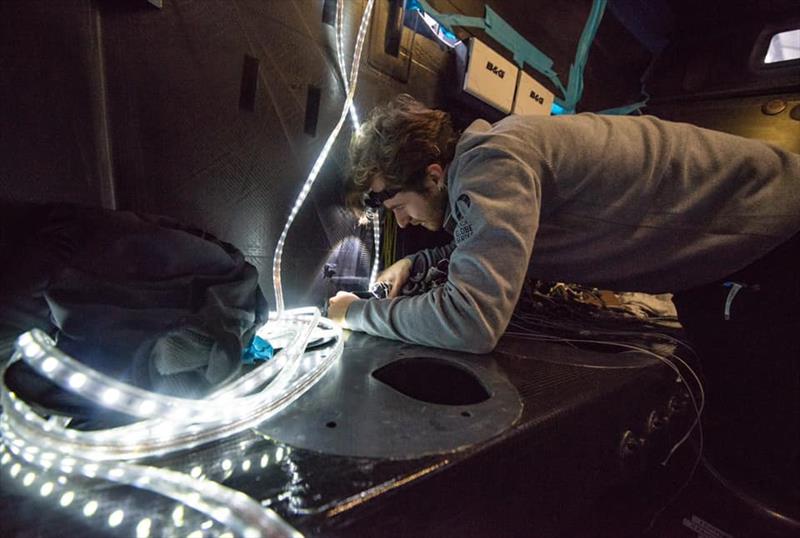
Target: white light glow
90, 508
147, 407
116, 473
221, 514
116, 518
67, 499
76, 381
33, 350
110, 396
29, 479
46, 489
143, 528
177, 516
251, 533
49, 365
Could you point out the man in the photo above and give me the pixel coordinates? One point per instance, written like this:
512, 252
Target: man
621, 203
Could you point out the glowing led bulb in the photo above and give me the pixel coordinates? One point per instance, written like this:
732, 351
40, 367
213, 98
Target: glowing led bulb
110, 396
116, 472
14, 470
24, 340
251, 532
196, 471
147, 407
78, 380
90, 469
116, 518
49, 364
90, 508
67, 499
143, 528
177, 516
28, 480
46, 489
33, 350
221, 514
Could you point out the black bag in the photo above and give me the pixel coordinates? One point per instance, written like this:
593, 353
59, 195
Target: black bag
144, 299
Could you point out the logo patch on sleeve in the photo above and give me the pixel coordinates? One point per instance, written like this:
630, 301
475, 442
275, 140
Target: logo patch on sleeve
463, 229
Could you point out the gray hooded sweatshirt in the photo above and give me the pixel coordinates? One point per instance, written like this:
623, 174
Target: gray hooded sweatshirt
618, 202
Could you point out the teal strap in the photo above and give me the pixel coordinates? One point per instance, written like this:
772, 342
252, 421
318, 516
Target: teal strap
575, 87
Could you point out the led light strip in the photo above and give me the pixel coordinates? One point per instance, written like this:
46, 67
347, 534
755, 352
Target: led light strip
180, 423
50, 444
312, 176
376, 245
374, 217
340, 57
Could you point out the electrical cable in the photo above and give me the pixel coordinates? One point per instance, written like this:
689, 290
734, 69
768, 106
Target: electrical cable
570, 315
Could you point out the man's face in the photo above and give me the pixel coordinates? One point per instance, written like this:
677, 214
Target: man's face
420, 209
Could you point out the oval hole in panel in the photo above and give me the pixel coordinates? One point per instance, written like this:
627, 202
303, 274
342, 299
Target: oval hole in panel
433, 381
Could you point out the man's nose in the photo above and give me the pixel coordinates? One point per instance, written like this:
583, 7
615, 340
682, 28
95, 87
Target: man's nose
401, 218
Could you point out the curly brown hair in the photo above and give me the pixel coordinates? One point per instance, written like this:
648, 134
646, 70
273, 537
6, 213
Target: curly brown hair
398, 142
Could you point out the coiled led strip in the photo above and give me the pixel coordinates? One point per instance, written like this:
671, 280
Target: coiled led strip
182, 423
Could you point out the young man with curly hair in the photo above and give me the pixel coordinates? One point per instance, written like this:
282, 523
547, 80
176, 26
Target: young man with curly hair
620, 203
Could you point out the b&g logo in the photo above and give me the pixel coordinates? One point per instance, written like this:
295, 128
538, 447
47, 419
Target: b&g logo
496, 70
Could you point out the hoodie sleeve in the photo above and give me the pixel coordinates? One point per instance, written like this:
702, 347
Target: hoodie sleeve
495, 198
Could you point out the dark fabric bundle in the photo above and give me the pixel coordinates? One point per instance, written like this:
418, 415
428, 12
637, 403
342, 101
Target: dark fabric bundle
147, 300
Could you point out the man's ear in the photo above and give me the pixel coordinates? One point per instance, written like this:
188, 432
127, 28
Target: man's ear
436, 173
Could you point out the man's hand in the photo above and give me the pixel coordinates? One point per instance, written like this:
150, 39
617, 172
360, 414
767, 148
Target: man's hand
338, 305
396, 274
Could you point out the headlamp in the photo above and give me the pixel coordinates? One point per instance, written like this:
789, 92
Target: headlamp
374, 200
